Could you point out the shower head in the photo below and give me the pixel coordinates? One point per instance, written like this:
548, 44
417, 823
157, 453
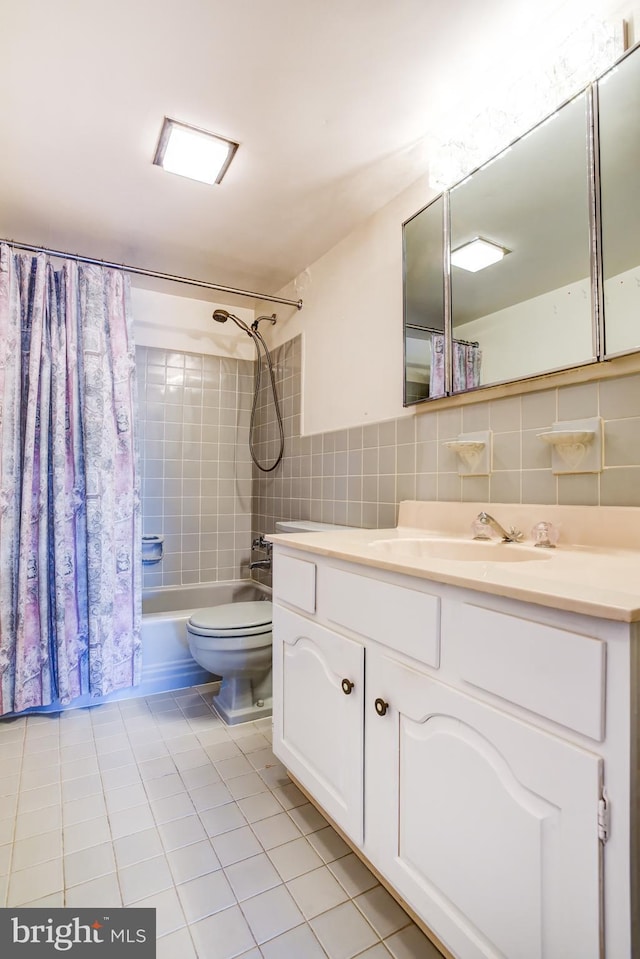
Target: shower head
221, 316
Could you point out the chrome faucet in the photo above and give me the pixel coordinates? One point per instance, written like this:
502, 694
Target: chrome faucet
513, 536
261, 543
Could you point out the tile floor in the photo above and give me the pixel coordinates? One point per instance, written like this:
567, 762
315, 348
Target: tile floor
155, 802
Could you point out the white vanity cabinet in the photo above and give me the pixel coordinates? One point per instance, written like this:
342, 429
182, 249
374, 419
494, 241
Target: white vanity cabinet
470, 761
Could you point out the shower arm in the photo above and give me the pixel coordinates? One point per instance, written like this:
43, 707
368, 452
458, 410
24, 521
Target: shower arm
269, 319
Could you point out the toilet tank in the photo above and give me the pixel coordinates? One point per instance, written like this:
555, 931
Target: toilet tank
308, 526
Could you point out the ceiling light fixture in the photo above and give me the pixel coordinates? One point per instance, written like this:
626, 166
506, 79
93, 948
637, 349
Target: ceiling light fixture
477, 254
194, 153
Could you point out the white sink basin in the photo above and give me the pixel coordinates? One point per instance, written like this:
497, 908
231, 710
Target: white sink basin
464, 551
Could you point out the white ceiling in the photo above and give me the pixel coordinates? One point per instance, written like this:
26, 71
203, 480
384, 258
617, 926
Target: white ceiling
330, 101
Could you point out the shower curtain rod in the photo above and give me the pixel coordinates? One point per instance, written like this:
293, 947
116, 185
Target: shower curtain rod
155, 274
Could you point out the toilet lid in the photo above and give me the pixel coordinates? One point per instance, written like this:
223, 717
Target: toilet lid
233, 619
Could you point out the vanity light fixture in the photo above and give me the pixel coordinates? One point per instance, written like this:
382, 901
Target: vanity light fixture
499, 114
192, 152
477, 254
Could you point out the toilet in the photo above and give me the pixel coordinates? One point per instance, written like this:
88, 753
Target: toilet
234, 641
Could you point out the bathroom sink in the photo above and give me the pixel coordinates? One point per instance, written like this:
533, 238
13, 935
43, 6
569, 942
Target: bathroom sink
464, 551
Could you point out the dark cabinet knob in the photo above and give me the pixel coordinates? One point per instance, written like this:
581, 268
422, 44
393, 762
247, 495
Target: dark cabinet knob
347, 686
380, 706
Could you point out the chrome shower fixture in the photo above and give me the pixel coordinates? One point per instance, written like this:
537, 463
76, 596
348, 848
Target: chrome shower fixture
269, 319
221, 316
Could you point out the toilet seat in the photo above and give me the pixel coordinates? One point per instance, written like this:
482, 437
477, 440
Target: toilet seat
234, 625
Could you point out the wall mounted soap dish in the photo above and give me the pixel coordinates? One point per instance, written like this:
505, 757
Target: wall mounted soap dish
474, 453
576, 447
568, 437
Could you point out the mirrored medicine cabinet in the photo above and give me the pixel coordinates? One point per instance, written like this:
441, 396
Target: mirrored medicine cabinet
558, 217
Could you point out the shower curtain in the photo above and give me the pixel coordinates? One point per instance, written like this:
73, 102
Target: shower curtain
466, 365
70, 537
466, 362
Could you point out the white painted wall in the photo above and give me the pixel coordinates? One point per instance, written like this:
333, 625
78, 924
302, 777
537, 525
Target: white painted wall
622, 311
515, 341
180, 323
351, 323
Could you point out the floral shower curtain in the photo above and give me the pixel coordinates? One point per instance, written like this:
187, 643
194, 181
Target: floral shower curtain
466, 363
70, 536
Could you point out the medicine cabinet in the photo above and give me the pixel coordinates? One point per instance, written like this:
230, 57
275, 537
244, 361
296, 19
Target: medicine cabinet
556, 214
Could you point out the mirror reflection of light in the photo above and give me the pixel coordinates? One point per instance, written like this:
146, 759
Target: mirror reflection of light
477, 254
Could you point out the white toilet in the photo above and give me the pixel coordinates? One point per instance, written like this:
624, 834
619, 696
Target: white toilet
234, 641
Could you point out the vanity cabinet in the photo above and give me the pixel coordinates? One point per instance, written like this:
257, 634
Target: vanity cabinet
466, 765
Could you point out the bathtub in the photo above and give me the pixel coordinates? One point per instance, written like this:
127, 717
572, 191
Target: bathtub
166, 661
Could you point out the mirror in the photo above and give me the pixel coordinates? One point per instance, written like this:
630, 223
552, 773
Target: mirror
423, 258
529, 312
619, 129
532, 311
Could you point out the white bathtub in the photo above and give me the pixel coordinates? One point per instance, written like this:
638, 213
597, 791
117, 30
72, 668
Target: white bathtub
166, 660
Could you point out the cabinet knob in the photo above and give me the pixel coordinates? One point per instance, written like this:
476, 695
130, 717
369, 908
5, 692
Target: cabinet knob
347, 686
380, 706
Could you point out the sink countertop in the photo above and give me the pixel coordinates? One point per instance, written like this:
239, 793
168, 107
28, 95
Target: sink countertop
596, 573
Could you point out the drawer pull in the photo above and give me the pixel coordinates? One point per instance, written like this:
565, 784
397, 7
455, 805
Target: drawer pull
380, 706
347, 686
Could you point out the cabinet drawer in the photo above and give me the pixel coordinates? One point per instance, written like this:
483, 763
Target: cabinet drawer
554, 672
294, 582
406, 620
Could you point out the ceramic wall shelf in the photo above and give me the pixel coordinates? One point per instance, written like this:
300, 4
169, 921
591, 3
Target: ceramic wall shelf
576, 446
474, 453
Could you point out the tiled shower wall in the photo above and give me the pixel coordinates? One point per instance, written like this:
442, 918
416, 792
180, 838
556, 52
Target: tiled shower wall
358, 476
196, 470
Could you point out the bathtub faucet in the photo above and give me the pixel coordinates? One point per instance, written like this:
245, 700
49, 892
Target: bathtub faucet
261, 543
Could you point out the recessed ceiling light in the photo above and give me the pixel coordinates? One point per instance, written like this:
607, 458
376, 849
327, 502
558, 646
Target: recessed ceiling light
477, 254
191, 152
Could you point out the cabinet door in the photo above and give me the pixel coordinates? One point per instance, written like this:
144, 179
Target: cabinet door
487, 826
318, 694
